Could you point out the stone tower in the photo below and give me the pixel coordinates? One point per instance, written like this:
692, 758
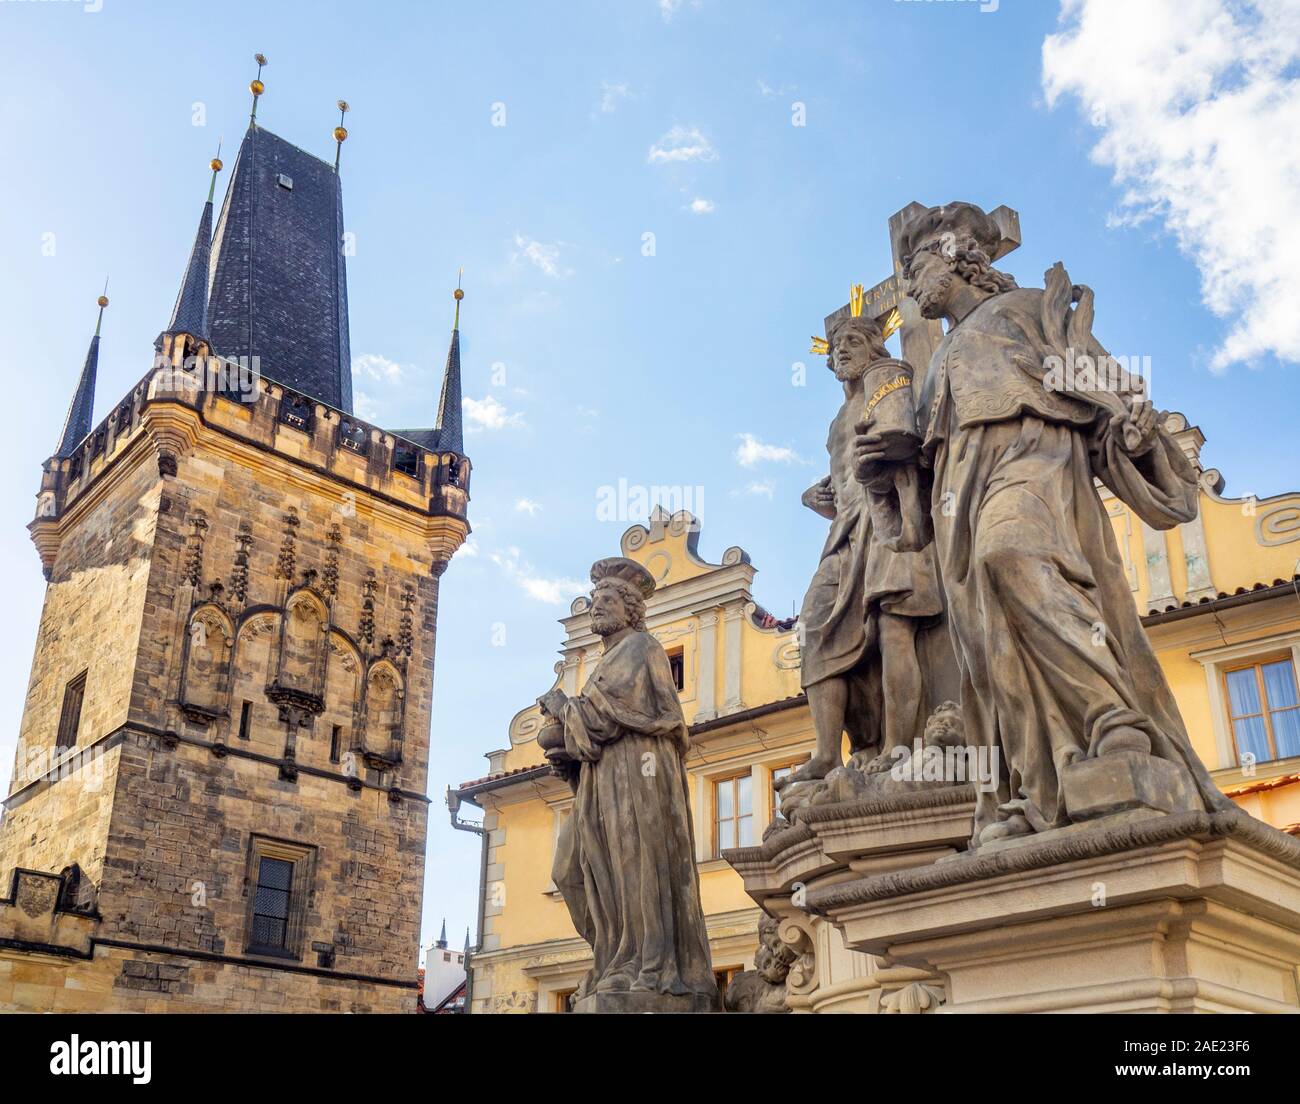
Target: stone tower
219, 796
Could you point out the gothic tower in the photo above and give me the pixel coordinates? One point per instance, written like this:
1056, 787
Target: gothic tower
219, 794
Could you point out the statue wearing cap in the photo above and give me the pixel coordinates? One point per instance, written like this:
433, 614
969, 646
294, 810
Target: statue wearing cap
1057, 672
625, 859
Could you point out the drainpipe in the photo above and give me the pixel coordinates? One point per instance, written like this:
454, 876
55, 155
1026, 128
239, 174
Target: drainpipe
453, 807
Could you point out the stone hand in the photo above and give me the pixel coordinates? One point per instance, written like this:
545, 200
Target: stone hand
869, 453
1137, 431
820, 498
552, 702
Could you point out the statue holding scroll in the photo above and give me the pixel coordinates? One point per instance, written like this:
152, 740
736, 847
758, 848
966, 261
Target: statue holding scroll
625, 859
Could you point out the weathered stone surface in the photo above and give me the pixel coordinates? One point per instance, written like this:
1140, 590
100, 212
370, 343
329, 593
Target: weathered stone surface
624, 860
274, 568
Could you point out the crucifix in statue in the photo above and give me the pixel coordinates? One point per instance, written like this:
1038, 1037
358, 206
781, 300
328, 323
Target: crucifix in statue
887, 303
901, 517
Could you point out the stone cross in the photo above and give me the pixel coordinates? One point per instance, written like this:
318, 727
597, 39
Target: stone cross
919, 336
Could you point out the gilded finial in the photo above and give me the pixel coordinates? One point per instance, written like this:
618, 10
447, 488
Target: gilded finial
340, 133
256, 86
216, 166
103, 302
458, 295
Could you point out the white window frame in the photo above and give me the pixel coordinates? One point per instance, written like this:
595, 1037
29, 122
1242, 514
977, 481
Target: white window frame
1216, 661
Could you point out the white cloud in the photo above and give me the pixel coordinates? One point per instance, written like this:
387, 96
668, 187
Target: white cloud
767, 91
1197, 105
701, 206
377, 367
759, 488
365, 407
669, 8
468, 550
527, 506
488, 413
611, 94
539, 254
553, 591
751, 452
682, 144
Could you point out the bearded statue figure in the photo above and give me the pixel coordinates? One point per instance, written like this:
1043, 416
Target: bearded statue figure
1057, 674
625, 859
875, 652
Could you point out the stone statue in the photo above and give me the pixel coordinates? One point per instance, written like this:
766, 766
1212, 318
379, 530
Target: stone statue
763, 989
625, 859
875, 653
1057, 672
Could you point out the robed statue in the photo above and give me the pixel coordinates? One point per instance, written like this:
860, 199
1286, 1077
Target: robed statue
625, 859
1057, 673
875, 655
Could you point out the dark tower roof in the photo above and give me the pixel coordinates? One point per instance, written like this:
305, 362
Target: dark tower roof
82, 408
450, 434
190, 315
278, 281
447, 434
442, 939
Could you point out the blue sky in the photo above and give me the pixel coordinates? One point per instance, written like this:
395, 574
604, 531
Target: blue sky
1146, 156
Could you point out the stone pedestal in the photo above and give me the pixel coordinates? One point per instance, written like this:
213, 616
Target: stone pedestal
633, 1003
1190, 912
831, 845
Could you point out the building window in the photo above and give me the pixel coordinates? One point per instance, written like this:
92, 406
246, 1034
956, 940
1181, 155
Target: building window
779, 773
733, 812
562, 1000
336, 735
271, 904
279, 890
1264, 710
677, 664
724, 977
245, 719
74, 694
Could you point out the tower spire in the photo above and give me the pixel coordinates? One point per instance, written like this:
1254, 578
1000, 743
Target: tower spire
82, 408
256, 87
448, 425
340, 134
442, 939
190, 314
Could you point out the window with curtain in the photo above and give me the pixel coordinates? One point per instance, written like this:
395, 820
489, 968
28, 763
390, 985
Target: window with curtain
779, 773
733, 812
1264, 710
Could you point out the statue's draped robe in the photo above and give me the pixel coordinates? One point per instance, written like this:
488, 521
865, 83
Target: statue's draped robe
1052, 652
856, 579
625, 859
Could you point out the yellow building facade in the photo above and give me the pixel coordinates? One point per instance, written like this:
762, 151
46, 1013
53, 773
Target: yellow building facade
1220, 598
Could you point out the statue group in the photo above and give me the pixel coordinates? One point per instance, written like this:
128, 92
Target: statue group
971, 567
969, 590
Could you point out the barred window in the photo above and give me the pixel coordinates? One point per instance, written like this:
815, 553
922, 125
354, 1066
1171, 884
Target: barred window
271, 904
279, 888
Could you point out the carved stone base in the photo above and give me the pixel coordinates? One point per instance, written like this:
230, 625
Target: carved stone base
1185, 913
1126, 781
829, 845
616, 1004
